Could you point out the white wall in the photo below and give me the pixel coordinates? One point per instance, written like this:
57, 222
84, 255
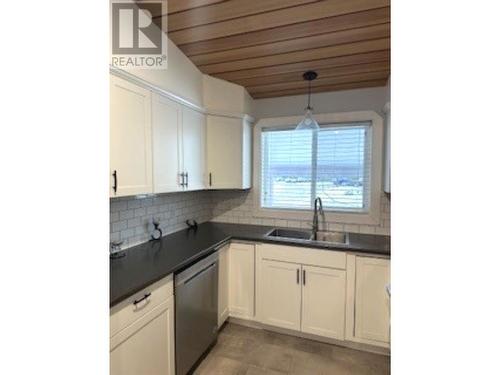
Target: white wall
220, 95
181, 78
336, 101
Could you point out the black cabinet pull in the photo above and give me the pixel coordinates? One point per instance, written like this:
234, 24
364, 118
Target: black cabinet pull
304, 276
142, 299
210, 179
187, 179
182, 179
115, 178
298, 275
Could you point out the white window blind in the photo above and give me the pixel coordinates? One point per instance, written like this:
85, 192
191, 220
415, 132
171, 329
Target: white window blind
333, 164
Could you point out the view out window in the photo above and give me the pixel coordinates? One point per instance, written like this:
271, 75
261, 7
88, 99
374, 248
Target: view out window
333, 164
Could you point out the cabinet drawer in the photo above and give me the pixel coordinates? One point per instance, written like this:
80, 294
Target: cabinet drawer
303, 255
127, 312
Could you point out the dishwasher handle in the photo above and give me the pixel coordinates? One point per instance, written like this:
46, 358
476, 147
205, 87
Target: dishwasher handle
184, 282
196, 269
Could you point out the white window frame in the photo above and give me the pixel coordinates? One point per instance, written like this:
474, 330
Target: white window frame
372, 217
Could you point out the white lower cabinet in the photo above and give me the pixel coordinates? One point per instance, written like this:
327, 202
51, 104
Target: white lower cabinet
280, 294
300, 297
323, 301
242, 280
142, 333
223, 307
368, 303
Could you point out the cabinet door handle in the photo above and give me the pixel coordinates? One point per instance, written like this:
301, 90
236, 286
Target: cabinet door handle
210, 179
137, 301
182, 179
304, 276
187, 179
115, 183
298, 276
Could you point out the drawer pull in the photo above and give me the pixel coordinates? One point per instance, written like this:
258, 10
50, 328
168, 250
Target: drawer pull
137, 301
115, 184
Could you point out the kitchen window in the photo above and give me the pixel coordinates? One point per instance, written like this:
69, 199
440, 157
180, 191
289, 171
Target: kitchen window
333, 164
340, 163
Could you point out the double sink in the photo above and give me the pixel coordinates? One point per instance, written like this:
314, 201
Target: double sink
322, 236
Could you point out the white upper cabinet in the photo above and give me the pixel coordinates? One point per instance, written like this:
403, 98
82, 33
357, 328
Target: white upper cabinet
279, 298
194, 148
179, 135
323, 301
130, 139
167, 144
157, 144
387, 155
229, 162
160, 143
371, 319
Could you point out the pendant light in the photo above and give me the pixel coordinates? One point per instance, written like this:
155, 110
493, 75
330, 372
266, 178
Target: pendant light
308, 123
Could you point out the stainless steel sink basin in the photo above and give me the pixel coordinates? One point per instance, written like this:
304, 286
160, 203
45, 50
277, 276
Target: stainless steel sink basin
332, 237
291, 233
322, 236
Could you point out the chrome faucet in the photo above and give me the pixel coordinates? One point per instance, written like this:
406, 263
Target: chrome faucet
315, 226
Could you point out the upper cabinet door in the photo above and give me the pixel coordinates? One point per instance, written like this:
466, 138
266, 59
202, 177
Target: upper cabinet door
167, 145
193, 143
228, 153
130, 139
387, 167
371, 300
279, 296
323, 301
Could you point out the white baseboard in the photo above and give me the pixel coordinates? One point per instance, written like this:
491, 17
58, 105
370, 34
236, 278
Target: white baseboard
347, 344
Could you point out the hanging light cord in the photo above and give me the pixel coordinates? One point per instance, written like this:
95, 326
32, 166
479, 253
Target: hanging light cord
309, 97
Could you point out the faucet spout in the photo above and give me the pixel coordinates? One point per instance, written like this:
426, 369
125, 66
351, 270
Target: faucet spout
318, 207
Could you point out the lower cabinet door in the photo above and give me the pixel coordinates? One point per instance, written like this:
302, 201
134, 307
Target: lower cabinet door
371, 318
223, 308
147, 345
242, 280
280, 297
323, 301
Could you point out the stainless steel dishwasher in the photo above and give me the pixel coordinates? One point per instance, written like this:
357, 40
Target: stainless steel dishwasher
196, 303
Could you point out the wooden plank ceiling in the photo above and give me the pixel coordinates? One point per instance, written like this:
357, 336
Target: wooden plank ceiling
266, 45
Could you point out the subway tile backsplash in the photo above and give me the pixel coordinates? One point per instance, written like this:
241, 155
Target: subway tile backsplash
237, 207
131, 216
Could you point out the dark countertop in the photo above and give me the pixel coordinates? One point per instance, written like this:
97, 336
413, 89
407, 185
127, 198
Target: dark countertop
147, 263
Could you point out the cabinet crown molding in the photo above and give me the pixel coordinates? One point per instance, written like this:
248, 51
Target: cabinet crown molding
178, 99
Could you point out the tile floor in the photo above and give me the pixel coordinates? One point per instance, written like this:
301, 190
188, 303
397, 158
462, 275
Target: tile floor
246, 351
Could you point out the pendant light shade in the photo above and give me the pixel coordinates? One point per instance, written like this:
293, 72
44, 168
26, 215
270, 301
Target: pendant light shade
308, 123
